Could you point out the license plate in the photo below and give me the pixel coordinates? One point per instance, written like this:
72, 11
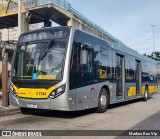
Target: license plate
30, 105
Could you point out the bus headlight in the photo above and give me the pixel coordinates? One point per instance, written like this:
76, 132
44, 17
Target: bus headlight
57, 92
11, 90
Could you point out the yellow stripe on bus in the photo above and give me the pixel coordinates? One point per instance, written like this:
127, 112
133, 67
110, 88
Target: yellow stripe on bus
143, 89
152, 89
47, 77
132, 91
39, 93
26, 76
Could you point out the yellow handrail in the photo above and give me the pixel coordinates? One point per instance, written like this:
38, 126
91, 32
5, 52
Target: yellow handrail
6, 9
5, 12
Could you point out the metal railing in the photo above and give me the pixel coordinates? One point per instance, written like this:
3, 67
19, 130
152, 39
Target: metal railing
67, 6
27, 3
60, 3
30, 3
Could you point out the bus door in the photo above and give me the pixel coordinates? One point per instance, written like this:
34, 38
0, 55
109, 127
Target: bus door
120, 76
82, 75
138, 77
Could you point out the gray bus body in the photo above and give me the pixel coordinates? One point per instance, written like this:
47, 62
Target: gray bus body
90, 64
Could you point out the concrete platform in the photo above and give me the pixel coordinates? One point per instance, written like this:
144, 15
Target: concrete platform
5, 111
11, 110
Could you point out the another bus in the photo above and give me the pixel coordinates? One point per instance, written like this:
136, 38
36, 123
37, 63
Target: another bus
64, 68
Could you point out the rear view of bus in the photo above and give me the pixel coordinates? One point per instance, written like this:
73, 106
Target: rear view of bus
40, 61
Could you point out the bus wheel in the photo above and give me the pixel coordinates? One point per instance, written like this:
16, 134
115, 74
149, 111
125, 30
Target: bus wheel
103, 101
145, 95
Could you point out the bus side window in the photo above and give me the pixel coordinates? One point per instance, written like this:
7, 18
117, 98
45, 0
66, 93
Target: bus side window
130, 69
78, 57
75, 65
86, 60
101, 63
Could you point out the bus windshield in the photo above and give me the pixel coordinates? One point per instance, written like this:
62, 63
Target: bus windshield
40, 61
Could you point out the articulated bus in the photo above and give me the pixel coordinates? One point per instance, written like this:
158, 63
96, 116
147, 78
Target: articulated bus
67, 69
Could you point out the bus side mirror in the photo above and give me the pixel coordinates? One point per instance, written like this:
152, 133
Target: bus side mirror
83, 60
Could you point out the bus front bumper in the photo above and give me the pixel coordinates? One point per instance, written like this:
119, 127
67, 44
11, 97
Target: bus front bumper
49, 104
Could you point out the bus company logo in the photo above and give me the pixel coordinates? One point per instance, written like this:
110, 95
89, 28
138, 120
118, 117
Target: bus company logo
21, 93
6, 133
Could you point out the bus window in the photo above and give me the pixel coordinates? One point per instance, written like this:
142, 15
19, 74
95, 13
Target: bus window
79, 56
104, 63
87, 66
101, 62
145, 74
130, 72
111, 68
75, 65
81, 72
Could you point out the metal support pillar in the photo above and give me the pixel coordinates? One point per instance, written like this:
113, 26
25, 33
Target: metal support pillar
24, 23
70, 22
5, 80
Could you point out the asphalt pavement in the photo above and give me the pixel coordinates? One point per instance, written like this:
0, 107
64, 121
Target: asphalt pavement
133, 115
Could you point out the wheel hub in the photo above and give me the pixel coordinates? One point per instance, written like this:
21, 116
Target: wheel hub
103, 100
146, 94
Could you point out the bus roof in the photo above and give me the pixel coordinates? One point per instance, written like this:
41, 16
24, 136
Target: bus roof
46, 28
113, 45
121, 48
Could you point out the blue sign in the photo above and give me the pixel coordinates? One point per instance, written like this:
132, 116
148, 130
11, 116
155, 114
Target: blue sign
35, 76
114, 99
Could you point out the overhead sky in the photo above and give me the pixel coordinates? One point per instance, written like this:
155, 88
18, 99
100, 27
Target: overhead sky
127, 20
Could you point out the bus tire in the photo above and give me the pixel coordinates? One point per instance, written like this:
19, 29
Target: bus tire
145, 98
103, 101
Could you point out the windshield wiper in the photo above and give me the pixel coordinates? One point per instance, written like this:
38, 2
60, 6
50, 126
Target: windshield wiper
44, 53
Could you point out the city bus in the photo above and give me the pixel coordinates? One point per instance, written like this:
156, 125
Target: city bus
67, 69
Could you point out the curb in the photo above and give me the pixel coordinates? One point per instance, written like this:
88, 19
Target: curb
9, 111
12, 110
